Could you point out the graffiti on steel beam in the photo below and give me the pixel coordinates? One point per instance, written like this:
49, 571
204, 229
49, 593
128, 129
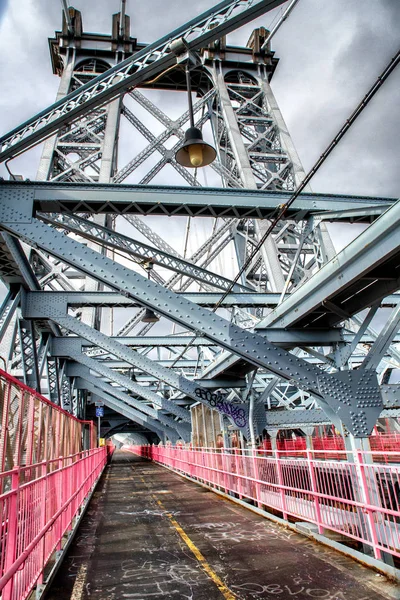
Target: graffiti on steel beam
236, 412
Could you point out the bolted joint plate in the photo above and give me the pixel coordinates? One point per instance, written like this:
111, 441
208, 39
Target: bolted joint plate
355, 398
10, 198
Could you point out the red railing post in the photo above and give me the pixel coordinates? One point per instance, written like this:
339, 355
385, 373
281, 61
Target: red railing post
12, 533
281, 483
43, 519
366, 497
256, 477
60, 497
314, 488
238, 475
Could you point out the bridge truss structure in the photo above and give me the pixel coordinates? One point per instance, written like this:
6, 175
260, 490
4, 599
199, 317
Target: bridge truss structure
288, 345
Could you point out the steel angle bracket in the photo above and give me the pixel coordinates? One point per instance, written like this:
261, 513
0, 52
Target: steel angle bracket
355, 397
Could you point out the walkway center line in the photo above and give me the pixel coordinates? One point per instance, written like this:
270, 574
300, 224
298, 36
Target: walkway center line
204, 564
225, 591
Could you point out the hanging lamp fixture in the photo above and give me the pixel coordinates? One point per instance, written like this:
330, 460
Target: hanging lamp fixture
149, 315
194, 152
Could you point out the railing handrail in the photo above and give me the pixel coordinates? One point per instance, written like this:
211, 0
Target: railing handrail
62, 495
356, 498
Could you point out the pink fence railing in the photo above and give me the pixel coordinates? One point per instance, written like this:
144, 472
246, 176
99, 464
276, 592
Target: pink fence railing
388, 446
33, 429
358, 499
37, 508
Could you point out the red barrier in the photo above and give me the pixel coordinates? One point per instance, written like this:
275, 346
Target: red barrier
359, 499
33, 429
36, 515
45, 478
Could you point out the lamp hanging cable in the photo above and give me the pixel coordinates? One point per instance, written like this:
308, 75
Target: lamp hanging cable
282, 209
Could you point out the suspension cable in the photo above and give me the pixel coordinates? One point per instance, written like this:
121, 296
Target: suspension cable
282, 209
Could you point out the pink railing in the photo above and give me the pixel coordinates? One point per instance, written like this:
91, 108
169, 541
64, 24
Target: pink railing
33, 429
358, 499
387, 444
37, 508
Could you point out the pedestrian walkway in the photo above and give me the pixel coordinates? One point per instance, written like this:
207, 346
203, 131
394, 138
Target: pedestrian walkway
148, 533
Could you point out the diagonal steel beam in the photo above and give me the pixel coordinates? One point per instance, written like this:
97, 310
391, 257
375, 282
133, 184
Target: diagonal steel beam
112, 239
7, 310
250, 346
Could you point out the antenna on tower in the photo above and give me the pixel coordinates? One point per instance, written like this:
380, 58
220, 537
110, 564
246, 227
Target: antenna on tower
67, 16
122, 18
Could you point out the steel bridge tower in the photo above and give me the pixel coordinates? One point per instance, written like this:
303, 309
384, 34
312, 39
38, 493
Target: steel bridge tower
287, 344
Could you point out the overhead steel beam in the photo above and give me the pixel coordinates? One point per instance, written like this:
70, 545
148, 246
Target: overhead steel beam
112, 239
361, 274
181, 201
281, 337
206, 299
155, 58
292, 419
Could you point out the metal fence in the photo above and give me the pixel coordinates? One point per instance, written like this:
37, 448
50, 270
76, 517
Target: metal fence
385, 447
33, 429
36, 513
45, 477
354, 496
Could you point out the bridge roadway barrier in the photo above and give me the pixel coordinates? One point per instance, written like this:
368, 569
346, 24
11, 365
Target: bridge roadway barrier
46, 479
150, 533
358, 500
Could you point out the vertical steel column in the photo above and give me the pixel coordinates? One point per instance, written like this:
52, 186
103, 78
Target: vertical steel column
46, 161
28, 351
269, 252
285, 138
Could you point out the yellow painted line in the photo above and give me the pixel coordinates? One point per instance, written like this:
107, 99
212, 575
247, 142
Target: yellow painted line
204, 564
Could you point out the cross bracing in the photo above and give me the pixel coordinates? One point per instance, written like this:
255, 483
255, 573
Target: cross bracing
226, 357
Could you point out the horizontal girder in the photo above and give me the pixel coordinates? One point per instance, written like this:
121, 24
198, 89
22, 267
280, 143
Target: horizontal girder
183, 201
359, 276
208, 299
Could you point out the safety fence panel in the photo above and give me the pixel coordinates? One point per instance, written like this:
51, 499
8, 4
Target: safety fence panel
33, 429
37, 510
386, 446
356, 497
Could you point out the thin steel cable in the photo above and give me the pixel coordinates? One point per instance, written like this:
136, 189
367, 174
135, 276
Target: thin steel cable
282, 209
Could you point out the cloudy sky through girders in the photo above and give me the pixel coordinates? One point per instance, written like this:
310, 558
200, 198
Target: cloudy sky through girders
330, 53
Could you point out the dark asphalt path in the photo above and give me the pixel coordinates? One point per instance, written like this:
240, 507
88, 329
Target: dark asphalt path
149, 534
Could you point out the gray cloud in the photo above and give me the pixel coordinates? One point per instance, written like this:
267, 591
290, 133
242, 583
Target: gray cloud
329, 52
